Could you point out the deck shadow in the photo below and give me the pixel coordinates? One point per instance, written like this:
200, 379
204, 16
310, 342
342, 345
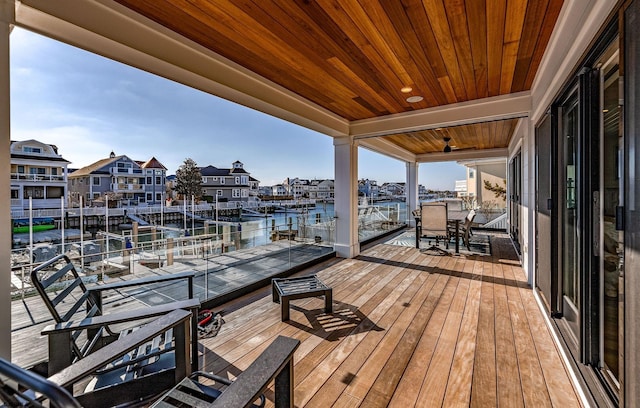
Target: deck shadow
441, 271
345, 319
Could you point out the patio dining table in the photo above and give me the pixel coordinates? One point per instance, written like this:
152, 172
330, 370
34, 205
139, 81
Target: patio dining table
454, 217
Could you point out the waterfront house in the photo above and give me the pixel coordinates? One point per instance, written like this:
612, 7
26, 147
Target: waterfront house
550, 85
229, 184
37, 171
155, 181
297, 187
123, 180
322, 190
485, 173
368, 188
392, 190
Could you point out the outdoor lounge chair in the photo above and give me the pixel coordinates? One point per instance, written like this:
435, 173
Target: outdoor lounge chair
433, 223
22, 388
82, 328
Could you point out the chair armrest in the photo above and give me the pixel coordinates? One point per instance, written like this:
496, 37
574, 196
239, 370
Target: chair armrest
255, 379
142, 281
120, 317
118, 348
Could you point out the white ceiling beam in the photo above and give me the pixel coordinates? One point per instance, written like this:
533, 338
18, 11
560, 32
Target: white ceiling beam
480, 110
107, 28
468, 154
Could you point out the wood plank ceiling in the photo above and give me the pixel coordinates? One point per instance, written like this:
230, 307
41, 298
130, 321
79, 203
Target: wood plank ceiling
355, 57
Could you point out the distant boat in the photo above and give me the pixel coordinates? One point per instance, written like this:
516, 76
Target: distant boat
21, 225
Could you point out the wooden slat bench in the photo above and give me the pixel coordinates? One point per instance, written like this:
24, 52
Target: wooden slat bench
286, 289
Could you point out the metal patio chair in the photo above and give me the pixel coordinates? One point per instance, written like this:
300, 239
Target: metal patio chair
433, 223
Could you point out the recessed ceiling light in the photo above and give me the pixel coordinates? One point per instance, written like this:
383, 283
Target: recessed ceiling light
414, 99
406, 89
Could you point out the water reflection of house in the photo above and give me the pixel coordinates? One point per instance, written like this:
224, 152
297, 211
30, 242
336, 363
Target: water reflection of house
39, 172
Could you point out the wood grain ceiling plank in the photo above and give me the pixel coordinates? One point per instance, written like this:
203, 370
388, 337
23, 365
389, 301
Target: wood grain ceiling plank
532, 26
328, 34
289, 67
375, 25
194, 25
262, 40
457, 17
516, 11
361, 87
394, 26
434, 141
440, 24
303, 35
349, 28
417, 15
505, 135
470, 135
550, 19
477, 22
343, 54
427, 79
486, 135
496, 13
186, 21
494, 130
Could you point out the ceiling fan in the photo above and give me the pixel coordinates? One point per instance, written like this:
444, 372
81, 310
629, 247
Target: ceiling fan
449, 148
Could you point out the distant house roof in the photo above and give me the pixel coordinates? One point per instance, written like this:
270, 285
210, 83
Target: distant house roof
35, 157
213, 171
45, 154
92, 168
153, 163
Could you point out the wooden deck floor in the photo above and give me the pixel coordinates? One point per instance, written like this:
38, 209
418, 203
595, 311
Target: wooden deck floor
408, 329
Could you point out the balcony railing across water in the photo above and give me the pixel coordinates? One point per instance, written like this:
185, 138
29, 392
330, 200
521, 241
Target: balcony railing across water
38, 177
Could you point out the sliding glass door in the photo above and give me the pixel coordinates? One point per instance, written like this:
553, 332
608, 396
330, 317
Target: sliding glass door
611, 240
569, 197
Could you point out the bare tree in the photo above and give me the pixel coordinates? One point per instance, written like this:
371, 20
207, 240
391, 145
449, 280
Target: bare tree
189, 179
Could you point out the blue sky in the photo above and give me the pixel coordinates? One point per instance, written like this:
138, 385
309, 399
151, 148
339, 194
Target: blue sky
89, 106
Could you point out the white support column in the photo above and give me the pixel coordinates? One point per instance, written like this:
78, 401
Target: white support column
7, 17
346, 197
411, 191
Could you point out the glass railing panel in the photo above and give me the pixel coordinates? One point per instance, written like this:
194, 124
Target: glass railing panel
376, 220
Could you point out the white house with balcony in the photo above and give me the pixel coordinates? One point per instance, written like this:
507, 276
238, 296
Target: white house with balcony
322, 190
39, 172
